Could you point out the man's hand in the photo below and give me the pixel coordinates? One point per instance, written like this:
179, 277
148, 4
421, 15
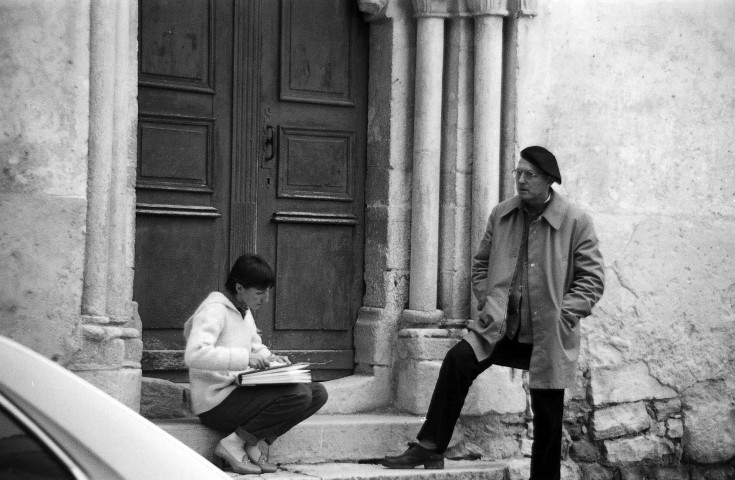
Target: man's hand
259, 361
484, 316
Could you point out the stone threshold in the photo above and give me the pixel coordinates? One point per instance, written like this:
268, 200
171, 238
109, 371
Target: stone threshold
515, 469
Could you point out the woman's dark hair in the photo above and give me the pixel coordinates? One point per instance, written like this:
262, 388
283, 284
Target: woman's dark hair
250, 271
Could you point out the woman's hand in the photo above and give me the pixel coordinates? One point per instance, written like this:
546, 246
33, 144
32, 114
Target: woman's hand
259, 361
279, 359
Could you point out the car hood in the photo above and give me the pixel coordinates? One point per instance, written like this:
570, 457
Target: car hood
129, 444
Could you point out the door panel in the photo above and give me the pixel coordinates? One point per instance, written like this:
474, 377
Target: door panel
316, 59
184, 155
316, 164
311, 183
176, 45
322, 262
252, 137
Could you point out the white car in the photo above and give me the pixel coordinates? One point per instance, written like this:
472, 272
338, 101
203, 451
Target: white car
55, 425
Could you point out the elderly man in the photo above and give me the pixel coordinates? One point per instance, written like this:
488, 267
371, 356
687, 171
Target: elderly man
537, 273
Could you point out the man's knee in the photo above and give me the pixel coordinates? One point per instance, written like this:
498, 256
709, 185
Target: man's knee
460, 355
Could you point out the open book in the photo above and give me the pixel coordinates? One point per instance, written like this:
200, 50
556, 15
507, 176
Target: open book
275, 374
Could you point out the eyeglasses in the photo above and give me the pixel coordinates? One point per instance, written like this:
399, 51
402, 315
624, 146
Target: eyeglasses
530, 176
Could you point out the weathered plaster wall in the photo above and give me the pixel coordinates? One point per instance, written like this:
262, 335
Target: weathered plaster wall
68, 112
637, 101
44, 77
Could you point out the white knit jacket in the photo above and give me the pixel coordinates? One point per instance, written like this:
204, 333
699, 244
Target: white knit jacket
219, 341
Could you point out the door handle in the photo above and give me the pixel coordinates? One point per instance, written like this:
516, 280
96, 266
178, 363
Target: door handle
269, 144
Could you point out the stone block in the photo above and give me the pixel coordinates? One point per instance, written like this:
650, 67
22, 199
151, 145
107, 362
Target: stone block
345, 437
658, 472
635, 472
566, 443
163, 399
674, 428
425, 343
526, 446
485, 438
415, 385
133, 350
638, 449
570, 471
579, 390
709, 422
358, 393
454, 470
595, 471
496, 390
626, 383
576, 411
396, 290
620, 420
386, 288
519, 469
100, 352
584, 451
667, 408
718, 472
373, 334
376, 183
192, 433
121, 384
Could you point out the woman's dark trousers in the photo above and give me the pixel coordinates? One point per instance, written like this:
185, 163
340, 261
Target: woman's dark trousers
460, 368
265, 412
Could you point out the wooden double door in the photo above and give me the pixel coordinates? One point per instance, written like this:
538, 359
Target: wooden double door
251, 138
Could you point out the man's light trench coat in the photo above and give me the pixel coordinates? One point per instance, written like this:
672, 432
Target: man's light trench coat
565, 280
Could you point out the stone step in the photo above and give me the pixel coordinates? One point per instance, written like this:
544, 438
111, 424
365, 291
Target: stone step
319, 439
516, 469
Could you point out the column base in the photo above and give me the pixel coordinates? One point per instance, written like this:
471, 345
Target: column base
422, 318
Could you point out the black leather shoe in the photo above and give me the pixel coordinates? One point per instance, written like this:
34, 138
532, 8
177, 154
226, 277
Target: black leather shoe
413, 457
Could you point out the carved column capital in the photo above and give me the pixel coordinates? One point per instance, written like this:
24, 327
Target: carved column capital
374, 10
488, 7
528, 8
430, 8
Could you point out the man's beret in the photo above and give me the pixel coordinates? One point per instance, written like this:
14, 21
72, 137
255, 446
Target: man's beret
544, 160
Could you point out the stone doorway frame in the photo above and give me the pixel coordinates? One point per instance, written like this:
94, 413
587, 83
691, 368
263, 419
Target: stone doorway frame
405, 38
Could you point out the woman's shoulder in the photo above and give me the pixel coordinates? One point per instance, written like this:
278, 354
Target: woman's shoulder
216, 301
215, 305
214, 311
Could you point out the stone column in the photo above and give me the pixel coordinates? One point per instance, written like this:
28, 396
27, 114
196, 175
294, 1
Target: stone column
488, 16
426, 163
101, 106
518, 25
456, 174
110, 351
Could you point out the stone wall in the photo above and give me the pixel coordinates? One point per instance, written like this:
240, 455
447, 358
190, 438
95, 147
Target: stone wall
68, 109
635, 99
44, 112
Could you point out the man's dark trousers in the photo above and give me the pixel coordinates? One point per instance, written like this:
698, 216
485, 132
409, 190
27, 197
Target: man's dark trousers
460, 368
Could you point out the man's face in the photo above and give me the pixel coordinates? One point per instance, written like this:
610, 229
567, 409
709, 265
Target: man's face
532, 184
